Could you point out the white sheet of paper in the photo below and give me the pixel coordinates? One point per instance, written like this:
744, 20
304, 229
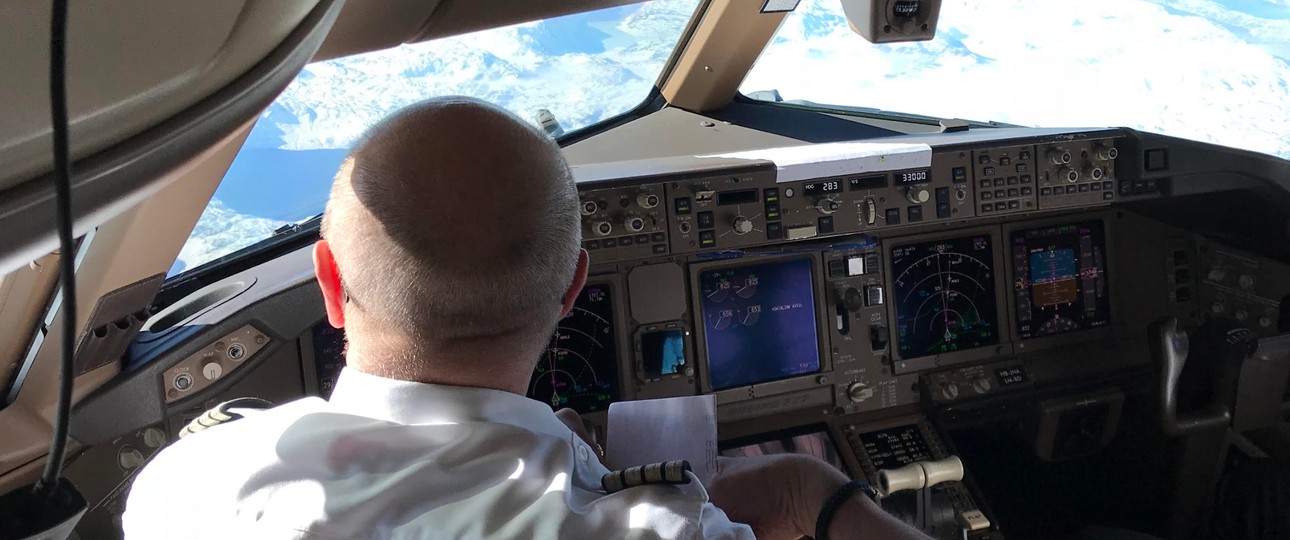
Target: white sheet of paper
653, 430
836, 159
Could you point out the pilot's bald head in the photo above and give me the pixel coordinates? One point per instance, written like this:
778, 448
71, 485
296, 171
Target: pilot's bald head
452, 223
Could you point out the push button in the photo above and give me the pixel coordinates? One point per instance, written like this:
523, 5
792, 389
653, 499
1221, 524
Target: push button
774, 231
682, 205
942, 194
706, 220
836, 268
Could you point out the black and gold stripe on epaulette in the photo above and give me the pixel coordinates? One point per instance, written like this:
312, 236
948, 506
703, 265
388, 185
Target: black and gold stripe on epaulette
667, 472
222, 414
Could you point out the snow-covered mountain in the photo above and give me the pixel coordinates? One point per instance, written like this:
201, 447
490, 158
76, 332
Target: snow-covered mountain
221, 231
1209, 70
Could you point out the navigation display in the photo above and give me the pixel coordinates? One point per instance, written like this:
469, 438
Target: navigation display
1060, 279
944, 296
759, 322
811, 441
579, 368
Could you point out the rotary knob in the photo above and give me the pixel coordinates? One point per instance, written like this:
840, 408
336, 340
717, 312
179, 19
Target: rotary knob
602, 228
1058, 156
212, 371
981, 385
647, 200
852, 300
129, 458
950, 390
1107, 153
1094, 172
858, 391
634, 224
828, 205
742, 225
1068, 174
918, 195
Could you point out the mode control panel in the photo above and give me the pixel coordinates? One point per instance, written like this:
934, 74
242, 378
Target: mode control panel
1005, 180
211, 363
1077, 173
624, 223
729, 211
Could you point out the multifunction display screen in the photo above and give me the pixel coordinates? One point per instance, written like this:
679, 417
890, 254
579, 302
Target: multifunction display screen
579, 368
944, 295
1060, 283
759, 322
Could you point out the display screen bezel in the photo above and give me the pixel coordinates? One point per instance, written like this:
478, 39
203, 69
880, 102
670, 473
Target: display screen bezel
1002, 292
1112, 262
769, 387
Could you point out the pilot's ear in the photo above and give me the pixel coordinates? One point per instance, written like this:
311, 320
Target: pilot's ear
328, 275
575, 288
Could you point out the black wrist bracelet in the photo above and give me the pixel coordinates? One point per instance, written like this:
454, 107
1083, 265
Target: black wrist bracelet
835, 501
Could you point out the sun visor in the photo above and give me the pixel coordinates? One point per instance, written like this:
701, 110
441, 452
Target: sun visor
151, 83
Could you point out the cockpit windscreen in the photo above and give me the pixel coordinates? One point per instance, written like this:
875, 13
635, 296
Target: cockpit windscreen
944, 295
759, 322
1060, 279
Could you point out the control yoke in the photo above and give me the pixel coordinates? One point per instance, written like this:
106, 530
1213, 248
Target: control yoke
1245, 377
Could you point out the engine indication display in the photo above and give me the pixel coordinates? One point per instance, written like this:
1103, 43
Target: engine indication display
944, 296
759, 322
579, 368
1060, 279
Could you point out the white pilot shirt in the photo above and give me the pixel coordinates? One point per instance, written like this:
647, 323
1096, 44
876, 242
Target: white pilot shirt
394, 459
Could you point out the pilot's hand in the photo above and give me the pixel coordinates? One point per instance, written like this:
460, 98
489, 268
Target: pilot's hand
779, 496
574, 422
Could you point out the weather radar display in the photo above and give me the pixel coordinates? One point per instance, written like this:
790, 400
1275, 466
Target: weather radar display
945, 296
1060, 279
579, 368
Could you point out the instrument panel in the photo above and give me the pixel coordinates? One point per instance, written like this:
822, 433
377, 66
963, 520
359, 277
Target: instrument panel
846, 292
849, 314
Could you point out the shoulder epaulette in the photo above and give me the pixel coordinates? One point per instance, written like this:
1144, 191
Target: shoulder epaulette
221, 414
667, 472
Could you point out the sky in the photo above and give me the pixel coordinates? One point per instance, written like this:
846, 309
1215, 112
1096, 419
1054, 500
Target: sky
1210, 70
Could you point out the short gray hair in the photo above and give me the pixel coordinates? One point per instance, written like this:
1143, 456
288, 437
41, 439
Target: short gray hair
444, 257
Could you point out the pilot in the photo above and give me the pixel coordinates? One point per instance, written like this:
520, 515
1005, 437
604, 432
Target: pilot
451, 248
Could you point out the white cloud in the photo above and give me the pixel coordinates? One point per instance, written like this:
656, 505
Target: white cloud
332, 102
1089, 63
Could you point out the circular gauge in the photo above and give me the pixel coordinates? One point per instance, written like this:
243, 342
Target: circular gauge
717, 290
579, 367
945, 296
